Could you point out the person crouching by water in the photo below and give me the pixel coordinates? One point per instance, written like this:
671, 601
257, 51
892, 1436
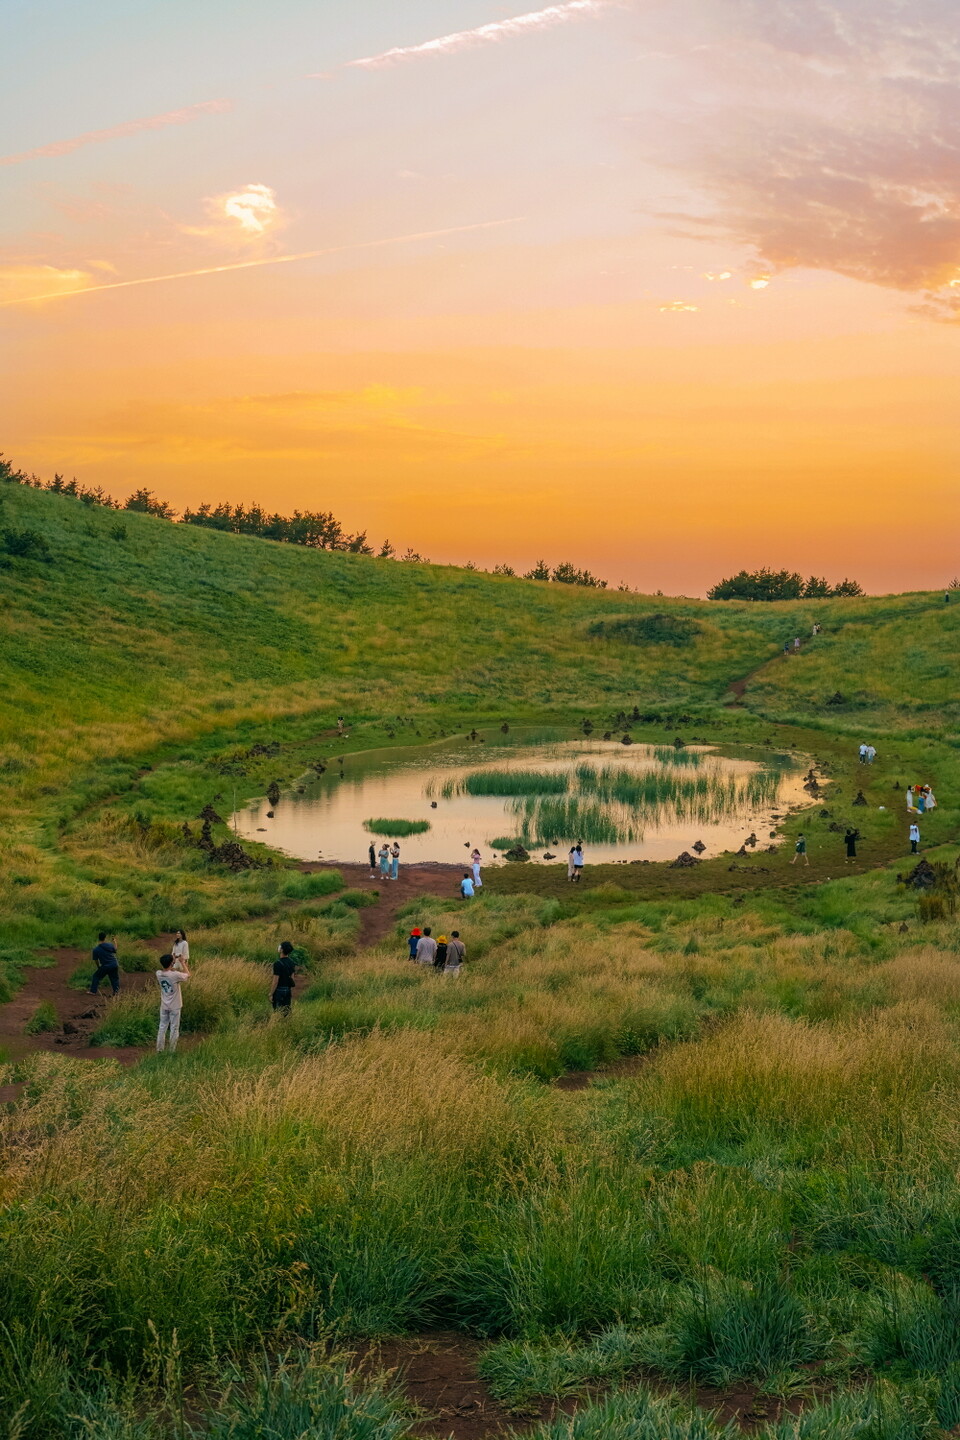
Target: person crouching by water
466, 886
440, 959
283, 981
170, 977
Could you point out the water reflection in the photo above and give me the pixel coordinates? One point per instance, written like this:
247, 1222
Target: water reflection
638, 802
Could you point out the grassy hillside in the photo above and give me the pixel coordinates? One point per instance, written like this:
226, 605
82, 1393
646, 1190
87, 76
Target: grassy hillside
757, 1195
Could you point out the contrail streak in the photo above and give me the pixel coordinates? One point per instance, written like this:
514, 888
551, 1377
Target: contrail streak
271, 260
116, 132
484, 34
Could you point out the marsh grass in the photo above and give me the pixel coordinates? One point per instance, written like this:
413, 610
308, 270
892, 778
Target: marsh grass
395, 829
515, 782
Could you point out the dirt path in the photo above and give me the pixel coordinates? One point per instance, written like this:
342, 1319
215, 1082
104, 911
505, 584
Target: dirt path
377, 921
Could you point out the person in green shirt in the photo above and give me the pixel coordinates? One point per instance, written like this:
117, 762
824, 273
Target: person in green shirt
800, 850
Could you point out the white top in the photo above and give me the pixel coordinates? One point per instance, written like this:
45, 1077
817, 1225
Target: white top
181, 950
914, 832
170, 982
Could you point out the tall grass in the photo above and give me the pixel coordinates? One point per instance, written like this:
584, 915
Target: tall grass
515, 782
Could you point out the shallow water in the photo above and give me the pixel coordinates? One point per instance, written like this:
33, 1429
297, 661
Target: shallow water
655, 803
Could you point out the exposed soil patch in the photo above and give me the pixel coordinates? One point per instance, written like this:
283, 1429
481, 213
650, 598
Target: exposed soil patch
79, 1014
377, 921
616, 1070
438, 1374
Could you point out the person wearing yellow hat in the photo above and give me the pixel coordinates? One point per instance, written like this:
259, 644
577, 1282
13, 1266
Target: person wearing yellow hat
440, 959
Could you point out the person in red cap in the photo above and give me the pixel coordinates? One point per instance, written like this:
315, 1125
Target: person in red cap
413, 941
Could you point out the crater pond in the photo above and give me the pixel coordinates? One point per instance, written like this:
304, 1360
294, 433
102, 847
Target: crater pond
541, 789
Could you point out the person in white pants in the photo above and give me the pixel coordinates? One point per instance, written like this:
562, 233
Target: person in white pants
475, 860
170, 977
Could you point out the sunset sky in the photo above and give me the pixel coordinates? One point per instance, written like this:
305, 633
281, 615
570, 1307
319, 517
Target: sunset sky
666, 289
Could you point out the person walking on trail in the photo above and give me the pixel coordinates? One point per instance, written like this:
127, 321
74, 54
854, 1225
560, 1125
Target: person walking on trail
863, 753
475, 859
440, 959
426, 947
341, 728
914, 838
395, 861
456, 951
413, 940
180, 950
466, 886
384, 860
281, 995
871, 754
576, 862
372, 853
107, 963
170, 977
796, 643
800, 851
850, 840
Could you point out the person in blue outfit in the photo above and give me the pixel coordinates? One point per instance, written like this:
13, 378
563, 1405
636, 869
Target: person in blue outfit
107, 963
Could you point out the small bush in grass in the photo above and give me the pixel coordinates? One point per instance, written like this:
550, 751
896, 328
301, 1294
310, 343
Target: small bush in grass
732, 1330
43, 1019
297, 1397
674, 630
395, 829
127, 1023
307, 887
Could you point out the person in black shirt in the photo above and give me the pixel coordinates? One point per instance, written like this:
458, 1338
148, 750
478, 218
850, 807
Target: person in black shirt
108, 966
283, 968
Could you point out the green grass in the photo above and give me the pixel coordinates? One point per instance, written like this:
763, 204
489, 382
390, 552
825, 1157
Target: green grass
515, 782
43, 1019
758, 1186
396, 828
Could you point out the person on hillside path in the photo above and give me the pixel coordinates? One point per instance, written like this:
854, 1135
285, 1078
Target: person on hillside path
281, 996
180, 950
576, 860
871, 754
413, 940
800, 851
426, 947
796, 643
863, 753
170, 977
385, 860
395, 861
107, 963
850, 840
372, 852
341, 729
914, 838
466, 886
440, 959
456, 952
786, 647
475, 860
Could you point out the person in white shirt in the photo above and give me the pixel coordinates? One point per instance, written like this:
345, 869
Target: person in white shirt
914, 838
426, 948
171, 1001
576, 856
863, 753
180, 950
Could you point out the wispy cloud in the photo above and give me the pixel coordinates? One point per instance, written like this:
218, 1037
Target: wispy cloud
534, 20
829, 138
254, 208
117, 132
59, 294
19, 283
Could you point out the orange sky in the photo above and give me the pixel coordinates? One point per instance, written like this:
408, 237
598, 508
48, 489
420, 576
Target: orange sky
696, 345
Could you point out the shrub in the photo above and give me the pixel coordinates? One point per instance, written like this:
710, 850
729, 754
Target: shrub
306, 887
675, 630
297, 1397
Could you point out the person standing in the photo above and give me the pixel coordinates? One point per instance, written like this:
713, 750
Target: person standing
570, 869
871, 754
440, 959
850, 840
466, 886
914, 838
284, 966
800, 851
796, 643
385, 860
170, 977
372, 853
426, 947
395, 861
180, 950
863, 753
341, 728
456, 952
577, 854
475, 860
413, 940
107, 963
